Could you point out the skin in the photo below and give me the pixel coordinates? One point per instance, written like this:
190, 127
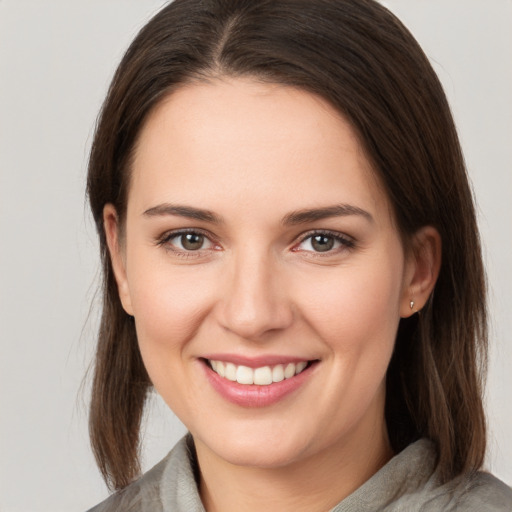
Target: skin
252, 154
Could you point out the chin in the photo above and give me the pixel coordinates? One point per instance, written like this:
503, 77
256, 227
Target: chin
274, 450
259, 457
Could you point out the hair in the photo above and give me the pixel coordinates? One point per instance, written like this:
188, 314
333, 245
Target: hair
361, 59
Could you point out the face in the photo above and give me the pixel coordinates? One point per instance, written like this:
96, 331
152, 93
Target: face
264, 271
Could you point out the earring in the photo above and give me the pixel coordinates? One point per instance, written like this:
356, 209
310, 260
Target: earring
411, 304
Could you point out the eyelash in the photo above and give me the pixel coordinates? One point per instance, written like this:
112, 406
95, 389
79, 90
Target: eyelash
345, 241
164, 241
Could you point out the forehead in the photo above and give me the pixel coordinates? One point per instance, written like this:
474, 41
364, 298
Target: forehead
211, 142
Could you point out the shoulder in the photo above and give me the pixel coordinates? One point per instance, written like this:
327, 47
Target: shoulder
482, 491
409, 483
144, 491
170, 485
478, 493
474, 492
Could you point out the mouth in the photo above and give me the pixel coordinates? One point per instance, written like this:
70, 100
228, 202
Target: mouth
257, 382
260, 376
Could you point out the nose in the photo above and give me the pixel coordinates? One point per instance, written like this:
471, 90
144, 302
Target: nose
254, 300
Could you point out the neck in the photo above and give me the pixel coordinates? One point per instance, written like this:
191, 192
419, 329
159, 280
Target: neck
313, 484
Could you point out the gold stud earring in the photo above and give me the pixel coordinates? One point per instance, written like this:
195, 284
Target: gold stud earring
411, 304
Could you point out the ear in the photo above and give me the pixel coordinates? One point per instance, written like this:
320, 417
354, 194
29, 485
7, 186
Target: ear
422, 269
117, 257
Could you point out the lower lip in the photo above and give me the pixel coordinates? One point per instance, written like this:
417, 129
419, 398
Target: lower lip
252, 395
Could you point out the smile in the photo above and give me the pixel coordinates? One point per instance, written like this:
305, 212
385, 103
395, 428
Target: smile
262, 376
258, 381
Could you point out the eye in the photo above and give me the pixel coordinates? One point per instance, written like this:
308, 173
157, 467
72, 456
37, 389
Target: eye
324, 242
188, 241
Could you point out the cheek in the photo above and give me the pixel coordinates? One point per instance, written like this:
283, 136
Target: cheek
356, 314
356, 308
169, 305
169, 308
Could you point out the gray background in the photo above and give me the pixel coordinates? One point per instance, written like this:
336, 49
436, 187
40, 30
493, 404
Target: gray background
56, 60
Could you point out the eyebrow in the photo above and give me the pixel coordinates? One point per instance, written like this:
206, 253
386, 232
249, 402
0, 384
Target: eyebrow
314, 214
188, 212
293, 218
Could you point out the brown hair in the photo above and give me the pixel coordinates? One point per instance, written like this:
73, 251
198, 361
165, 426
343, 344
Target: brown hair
359, 57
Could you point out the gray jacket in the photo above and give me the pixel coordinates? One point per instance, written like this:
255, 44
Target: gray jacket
407, 483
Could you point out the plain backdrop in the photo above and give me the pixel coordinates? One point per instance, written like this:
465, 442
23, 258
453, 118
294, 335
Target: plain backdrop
56, 60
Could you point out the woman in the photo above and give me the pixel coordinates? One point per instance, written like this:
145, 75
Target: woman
279, 190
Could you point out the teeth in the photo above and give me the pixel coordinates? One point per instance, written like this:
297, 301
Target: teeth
289, 371
262, 376
300, 366
278, 373
220, 368
230, 371
244, 375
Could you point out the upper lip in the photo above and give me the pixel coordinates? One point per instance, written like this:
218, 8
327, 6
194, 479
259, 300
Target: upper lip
257, 361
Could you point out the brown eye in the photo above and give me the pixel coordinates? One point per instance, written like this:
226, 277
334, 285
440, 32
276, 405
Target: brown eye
325, 242
187, 243
322, 243
192, 241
